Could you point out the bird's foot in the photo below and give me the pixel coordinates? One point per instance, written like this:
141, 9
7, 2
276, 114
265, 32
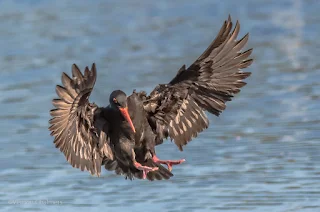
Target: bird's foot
145, 169
169, 163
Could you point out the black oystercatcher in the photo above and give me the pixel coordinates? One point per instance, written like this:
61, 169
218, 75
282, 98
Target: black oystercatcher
123, 135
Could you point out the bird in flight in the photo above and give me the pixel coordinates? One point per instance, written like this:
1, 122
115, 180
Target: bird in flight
122, 136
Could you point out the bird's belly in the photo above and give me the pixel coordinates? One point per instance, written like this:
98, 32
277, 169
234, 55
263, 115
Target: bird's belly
124, 151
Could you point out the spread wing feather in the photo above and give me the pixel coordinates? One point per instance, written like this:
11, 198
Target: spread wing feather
176, 109
73, 125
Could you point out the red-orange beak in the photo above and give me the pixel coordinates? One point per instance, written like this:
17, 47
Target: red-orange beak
125, 114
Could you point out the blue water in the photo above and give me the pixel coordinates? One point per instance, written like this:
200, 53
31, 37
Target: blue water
261, 154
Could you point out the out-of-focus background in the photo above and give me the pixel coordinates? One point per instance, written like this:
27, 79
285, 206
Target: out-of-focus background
261, 154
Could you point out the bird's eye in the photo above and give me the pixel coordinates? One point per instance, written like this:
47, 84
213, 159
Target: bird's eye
116, 101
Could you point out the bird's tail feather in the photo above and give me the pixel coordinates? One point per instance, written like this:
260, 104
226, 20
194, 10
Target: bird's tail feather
130, 172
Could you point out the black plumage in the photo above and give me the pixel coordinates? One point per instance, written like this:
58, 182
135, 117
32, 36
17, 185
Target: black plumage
123, 136
212, 80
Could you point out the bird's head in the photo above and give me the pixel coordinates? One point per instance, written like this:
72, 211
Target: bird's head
118, 101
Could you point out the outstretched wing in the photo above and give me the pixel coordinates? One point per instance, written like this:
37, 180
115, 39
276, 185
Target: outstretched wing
78, 128
177, 109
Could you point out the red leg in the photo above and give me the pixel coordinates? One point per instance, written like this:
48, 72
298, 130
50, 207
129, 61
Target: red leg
169, 163
144, 169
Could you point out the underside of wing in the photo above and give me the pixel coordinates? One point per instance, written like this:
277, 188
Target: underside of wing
177, 109
72, 123
187, 123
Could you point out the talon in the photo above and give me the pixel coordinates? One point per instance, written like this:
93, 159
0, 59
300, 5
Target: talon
169, 163
145, 169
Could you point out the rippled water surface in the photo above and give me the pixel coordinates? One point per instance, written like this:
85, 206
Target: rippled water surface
261, 154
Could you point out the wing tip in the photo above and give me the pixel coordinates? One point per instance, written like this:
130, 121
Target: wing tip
93, 66
74, 66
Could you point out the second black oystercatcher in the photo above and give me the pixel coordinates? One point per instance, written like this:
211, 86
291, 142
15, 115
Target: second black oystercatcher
123, 135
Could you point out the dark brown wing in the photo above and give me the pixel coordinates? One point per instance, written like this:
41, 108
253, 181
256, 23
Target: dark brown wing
177, 109
76, 127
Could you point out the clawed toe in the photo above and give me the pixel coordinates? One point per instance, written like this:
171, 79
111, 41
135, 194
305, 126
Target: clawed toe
169, 163
145, 169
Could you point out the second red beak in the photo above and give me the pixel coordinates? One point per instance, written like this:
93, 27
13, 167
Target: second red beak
125, 114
